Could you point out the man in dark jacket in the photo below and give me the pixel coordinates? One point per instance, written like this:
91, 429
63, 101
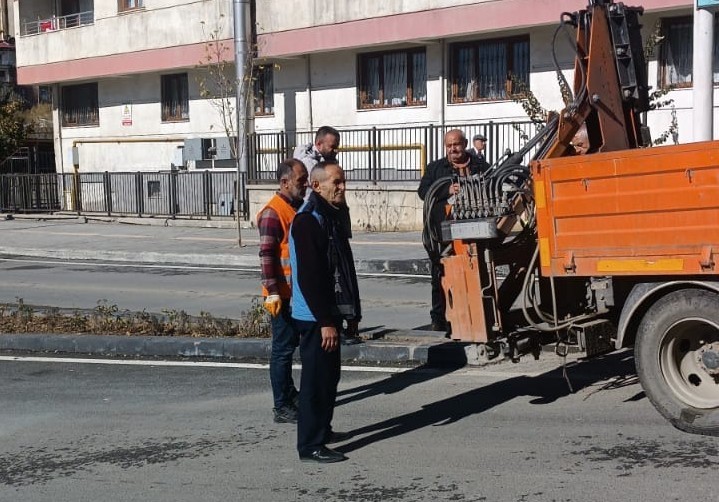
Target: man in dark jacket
457, 161
479, 143
324, 294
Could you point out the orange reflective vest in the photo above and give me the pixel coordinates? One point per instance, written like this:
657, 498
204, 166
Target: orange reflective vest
285, 213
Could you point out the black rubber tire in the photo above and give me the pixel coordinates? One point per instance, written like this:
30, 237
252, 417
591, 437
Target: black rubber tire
665, 331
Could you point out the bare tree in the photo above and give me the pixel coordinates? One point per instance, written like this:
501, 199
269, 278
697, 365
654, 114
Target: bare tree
219, 84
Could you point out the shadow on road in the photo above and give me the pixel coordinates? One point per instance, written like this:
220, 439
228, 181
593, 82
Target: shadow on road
442, 359
546, 388
394, 383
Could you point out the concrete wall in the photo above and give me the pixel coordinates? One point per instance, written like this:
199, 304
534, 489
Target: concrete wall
380, 208
280, 15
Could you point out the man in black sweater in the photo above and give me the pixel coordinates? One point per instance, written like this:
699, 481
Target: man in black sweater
456, 162
324, 295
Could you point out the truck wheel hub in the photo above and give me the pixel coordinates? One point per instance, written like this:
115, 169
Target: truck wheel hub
709, 358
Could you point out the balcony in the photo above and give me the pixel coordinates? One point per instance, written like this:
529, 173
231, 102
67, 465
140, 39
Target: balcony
55, 23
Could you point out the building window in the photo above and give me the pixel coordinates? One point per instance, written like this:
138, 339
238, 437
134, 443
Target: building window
125, 5
80, 105
175, 98
676, 52
264, 90
153, 189
483, 70
388, 79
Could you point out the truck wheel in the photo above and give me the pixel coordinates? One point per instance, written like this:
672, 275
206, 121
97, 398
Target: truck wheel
677, 359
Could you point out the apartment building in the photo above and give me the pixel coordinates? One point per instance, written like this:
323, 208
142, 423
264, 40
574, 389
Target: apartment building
125, 73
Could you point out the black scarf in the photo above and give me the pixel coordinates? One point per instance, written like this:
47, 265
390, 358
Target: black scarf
339, 256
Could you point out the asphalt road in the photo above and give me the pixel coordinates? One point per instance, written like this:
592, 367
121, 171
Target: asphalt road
71, 432
389, 301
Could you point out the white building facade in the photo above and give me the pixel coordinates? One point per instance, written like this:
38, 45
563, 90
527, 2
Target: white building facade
126, 73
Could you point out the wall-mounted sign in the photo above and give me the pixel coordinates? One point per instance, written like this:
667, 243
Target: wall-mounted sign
127, 114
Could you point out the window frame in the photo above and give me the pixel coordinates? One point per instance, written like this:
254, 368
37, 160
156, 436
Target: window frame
662, 67
122, 6
362, 60
87, 90
182, 108
509, 93
259, 96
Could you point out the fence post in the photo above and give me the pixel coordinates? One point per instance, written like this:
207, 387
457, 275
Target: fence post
282, 150
173, 194
206, 193
493, 144
77, 196
378, 156
107, 186
139, 194
430, 145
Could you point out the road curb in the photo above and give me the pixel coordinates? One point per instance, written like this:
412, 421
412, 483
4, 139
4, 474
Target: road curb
436, 353
412, 266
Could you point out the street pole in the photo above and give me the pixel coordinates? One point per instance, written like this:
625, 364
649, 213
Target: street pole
702, 73
243, 81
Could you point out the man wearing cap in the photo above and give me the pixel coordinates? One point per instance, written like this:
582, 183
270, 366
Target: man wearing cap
479, 142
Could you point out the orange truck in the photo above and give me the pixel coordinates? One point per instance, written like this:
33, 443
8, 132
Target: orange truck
602, 241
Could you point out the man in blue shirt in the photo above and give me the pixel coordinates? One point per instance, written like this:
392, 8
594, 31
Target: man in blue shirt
324, 296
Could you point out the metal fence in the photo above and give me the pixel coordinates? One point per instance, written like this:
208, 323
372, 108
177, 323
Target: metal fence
53, 23
171, 193
370, 155
391, 154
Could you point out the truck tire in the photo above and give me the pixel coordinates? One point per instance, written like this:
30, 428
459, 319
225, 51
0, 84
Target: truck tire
677, 359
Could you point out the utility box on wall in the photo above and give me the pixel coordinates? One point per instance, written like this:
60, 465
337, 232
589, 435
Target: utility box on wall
192, 150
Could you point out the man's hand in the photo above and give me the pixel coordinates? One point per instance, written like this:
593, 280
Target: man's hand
453, 188
273, 305
330, 338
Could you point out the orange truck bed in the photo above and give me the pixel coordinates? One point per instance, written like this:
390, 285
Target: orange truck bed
651, 211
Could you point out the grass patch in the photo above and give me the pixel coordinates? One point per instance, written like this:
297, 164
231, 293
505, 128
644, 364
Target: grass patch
109, 319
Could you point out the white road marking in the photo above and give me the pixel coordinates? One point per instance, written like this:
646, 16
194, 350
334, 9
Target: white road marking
471, 372
197, 364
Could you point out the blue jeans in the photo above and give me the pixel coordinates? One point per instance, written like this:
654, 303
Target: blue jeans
284, 341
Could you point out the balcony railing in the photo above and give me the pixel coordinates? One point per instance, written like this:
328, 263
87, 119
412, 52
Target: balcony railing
55, 23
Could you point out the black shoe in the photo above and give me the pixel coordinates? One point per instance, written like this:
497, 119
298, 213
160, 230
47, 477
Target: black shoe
285, 415
439, 326
323, 455
338, 437
295, 398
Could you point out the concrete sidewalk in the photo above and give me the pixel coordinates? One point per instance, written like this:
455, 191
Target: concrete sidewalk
149, 240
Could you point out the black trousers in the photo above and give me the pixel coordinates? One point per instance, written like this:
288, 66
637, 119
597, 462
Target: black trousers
437, 313
318, 388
